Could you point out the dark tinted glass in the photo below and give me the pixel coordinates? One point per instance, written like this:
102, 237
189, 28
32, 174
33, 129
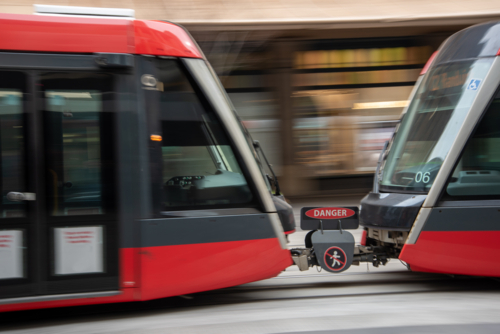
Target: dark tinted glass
478, 171
77, 113
198, 164
12, 142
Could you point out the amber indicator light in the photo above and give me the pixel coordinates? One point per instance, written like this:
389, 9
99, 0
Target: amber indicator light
155, 138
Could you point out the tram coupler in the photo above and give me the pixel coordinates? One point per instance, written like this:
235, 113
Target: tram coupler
331, 250
324, 256
329, 245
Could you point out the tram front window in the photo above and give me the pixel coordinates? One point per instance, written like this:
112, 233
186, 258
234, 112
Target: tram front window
198, 164
431, 124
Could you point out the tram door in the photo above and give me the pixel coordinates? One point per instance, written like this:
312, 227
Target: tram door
58, 230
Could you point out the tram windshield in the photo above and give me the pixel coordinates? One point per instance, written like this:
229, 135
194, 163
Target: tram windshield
431, 124
199, 167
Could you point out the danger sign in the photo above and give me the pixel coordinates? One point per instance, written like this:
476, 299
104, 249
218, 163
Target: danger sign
329, 218
330, 213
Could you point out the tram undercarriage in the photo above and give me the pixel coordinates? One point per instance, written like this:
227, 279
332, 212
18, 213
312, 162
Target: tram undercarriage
322, 251
332, 247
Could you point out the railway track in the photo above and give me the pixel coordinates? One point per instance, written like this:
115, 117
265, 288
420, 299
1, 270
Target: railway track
295, 289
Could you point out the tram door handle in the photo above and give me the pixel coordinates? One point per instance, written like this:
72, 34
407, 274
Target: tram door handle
18, 197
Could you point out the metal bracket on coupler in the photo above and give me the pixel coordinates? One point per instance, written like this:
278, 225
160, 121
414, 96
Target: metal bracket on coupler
331, 250
334, 250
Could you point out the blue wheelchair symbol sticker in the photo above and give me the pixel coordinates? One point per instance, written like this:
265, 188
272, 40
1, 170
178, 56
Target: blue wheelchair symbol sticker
474, 84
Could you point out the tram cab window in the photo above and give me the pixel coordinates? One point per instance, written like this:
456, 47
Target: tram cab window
478, 170
198, 165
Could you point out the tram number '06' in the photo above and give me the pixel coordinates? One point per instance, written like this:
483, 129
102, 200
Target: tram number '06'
423, 177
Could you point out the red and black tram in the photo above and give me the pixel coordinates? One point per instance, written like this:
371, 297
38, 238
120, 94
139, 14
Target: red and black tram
435, 202
125, 172
436, 198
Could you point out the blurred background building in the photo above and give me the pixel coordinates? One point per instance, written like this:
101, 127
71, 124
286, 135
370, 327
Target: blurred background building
321, 84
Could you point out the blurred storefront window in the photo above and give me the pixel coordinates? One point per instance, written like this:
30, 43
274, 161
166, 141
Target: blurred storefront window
347, 102
347, 97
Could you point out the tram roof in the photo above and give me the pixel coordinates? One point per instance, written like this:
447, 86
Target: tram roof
482, 40
90, 35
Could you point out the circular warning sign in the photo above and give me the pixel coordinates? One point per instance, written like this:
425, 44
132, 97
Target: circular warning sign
335, 258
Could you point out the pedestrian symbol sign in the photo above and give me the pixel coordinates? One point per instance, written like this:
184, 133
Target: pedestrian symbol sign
335, 258
474, 84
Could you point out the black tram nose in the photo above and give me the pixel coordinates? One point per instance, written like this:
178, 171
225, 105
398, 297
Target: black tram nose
390, 210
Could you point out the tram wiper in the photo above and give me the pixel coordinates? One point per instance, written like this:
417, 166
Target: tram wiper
256, 145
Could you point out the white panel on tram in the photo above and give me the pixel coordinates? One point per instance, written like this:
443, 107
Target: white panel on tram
11, 254
78, 250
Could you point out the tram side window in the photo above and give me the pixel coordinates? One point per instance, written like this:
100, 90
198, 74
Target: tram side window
12, 168
199, 167
78, 135
478, 171
13, 245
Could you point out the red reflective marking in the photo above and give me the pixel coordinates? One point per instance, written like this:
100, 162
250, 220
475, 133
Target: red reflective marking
363, 238
455, 252
429, 62
330, 213
290, 232
498, 53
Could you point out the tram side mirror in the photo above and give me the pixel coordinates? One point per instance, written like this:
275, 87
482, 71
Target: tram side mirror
114, 60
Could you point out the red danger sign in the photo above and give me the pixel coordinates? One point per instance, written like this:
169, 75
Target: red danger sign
330, 213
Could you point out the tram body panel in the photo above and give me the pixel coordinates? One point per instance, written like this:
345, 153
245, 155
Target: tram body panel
163, 39
90, 35
122, 296
185, 269
461, 241
52, 34
186, 255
